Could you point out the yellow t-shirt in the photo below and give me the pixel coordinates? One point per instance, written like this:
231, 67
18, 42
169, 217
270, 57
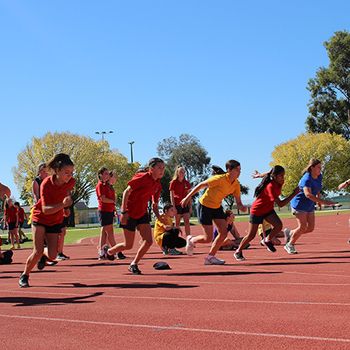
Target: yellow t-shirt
219, 187
159, 228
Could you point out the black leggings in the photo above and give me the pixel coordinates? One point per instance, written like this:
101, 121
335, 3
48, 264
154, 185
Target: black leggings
172, 240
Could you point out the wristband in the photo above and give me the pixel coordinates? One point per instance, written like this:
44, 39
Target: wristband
123, 212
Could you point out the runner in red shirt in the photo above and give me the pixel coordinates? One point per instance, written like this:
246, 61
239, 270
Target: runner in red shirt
179, 188
267, 194
143, 187
48, 213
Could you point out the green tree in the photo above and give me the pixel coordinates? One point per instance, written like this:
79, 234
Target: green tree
188, 152
87, 155
329, 106
332, 150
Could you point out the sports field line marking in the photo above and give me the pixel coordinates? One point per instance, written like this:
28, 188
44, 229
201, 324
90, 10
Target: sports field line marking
231, 301
179, 328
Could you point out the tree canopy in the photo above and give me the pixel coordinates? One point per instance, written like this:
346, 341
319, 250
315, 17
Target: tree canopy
87, 155
329, 106
332, 150
188, 152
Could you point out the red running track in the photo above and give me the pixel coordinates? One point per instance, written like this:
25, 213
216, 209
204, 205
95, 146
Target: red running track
270, 301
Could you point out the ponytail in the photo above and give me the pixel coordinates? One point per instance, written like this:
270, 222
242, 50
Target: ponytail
276, 170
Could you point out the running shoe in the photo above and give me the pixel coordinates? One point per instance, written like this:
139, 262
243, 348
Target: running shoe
165, 251
189, 245
134, 269
61, 256
23, 281
238, 256
287, 235
106, 254
213, 260
290, 248
42, 262
269, 246
120, 256
174, 251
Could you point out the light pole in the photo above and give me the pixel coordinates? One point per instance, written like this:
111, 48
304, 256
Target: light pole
103, 133
131, 151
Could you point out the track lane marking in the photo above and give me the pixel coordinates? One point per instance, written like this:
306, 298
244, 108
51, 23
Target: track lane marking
179, 328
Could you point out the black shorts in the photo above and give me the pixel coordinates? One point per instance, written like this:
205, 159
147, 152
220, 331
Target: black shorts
182, 210
133, 223
207, 215
11, 225
255, 219
20, 224
106, 217
49, 229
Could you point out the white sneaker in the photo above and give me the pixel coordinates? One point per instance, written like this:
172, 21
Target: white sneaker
287, 235
290, 249
213, 260
189, 245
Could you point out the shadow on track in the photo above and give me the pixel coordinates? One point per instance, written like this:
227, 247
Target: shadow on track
31, 301
125, 285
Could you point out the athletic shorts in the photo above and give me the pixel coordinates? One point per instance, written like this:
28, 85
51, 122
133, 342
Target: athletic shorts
207, 215
49, 229
106, 217
295, 211
182, 210
11, 225
258, 219
133, 223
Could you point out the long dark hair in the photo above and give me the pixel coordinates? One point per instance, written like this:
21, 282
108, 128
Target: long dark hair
276, 170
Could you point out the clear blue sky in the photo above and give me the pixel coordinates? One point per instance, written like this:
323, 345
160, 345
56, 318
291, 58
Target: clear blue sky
232, 73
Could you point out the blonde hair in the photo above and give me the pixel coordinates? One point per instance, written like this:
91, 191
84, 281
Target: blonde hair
176, 172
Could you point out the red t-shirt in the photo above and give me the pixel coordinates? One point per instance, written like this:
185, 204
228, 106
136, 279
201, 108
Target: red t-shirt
11, 214
180, 189
50, 194
21, 215
144, 188
105, 189
264, 203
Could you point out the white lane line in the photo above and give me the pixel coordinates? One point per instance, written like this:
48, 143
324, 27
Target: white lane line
179, 328
206, 300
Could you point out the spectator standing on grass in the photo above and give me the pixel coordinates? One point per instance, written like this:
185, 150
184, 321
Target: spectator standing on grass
11, 220
179, 188
21, 217
343, 185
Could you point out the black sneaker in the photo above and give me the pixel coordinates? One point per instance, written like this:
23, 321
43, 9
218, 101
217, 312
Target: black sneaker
238, 256
42, 262
134, 269
108, 256
23, 281
269, 246
121, 256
